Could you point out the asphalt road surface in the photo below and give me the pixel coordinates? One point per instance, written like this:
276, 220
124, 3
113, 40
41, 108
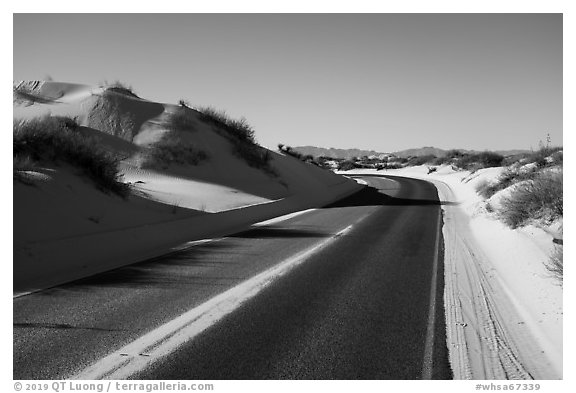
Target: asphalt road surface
366, 305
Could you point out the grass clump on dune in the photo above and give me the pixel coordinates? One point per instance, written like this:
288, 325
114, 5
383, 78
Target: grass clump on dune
172, 150
241, 135
182, 119
58, 139
237, 129
538, 199
120, 87
509, 177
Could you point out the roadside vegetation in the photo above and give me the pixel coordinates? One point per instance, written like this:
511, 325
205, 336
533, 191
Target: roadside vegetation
456, 158
539, 199
533, 187
54, 140
321, 162
532, 182
241, 136
555, 264
347, 165
420, 160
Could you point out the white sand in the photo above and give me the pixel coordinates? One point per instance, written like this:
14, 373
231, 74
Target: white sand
504, 309
65, 228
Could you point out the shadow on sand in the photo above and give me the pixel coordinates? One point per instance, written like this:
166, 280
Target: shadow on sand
370, 196
185, 266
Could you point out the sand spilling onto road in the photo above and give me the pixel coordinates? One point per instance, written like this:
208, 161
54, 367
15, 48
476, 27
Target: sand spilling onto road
504, 310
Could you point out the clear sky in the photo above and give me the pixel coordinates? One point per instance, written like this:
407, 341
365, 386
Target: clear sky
374, 81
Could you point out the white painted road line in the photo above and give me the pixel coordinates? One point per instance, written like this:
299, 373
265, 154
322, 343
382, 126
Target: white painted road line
162, 341
429, 343
194, 243
285, 217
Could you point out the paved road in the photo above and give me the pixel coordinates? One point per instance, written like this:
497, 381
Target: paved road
356, 309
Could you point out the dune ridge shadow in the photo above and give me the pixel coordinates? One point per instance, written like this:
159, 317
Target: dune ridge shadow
370, 196
185, 266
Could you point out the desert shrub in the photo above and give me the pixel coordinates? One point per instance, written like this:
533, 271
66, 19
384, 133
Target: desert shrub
347, 165
241, 135
55, 139
322, 162
255, 156
513, 159
442, 160
449, 157
172, 150
485, 189
480, 160
454, 153
393, 165
421, 160
506, 179
545, 156
539, 199
557, 157
555, 263
120, 87
182, 119
238, 129
291, 152
295, 154
23, 162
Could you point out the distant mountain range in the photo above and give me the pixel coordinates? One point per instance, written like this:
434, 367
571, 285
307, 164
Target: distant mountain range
335, 153
423, 151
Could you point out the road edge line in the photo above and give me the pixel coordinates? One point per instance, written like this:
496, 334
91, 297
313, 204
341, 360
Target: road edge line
428, 360
162, 341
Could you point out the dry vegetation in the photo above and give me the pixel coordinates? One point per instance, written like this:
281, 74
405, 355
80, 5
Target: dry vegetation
172, 150
307, 158
57, 139
555, 264
509, 177
539, 199
236, 129
120, 87
241, 135
535, 181
182, 119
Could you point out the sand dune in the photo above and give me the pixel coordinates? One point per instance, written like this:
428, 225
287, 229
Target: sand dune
57, 208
